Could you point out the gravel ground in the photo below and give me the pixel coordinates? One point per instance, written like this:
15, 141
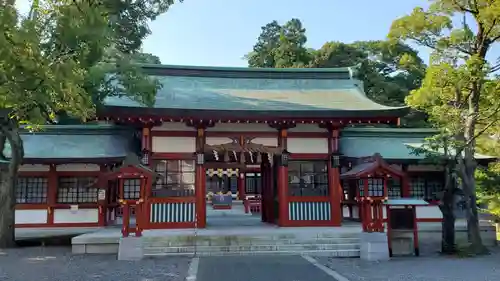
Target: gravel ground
424, 268
58, 264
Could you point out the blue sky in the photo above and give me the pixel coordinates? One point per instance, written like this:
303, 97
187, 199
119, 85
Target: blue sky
221, 32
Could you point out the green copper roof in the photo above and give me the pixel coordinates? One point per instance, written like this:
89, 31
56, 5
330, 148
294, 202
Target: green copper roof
391, 143
331, 91
76, 142
406, 202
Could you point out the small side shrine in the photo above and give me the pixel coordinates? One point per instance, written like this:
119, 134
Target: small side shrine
402, 226
370, 179
128, 184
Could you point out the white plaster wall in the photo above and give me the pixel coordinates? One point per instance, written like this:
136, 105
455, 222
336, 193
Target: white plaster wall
78, 168
31, 216
217, 140
345, 212
34, 168
429, 212
266, 141
355, 212
307, 128
174, 144
384, 212
173, 126
307, 145
111, 214
424, 168
241, 127
78, 216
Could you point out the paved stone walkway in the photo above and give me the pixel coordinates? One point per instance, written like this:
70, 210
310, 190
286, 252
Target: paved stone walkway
259, 268
424, 268
58, 264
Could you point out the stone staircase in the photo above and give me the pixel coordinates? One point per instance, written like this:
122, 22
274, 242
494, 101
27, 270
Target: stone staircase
329, 244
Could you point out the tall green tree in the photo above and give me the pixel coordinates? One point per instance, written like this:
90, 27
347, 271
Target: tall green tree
66, 56
389, 70
459, 92
280, 46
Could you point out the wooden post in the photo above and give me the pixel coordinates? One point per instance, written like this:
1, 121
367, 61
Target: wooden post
366, 206
52, 182
415, 231
389, 229
334, 187
126, 219
138, 214
241, 186
200, 181
282, 181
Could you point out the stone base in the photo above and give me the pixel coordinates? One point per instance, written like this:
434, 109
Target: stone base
402, 246
98, 248
131, 249
374, 246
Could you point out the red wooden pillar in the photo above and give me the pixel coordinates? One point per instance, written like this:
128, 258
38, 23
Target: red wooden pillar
52, 193
147, 187
103, 204
200, 180
366, 206
334, 186
282, 181
241, 186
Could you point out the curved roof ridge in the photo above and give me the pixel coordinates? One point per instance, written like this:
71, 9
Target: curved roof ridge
340, 73
348, 69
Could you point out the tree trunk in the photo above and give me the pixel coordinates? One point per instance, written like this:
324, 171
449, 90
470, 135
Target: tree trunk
473, 228
8, 179
7, 206
448, 246
447, 208
467, 168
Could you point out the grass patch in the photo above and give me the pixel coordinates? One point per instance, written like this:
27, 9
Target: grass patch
466, 251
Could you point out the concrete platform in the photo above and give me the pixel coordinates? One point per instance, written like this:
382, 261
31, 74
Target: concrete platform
47, 232
221, 239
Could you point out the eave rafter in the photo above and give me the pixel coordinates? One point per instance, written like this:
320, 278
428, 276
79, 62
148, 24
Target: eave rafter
155, 120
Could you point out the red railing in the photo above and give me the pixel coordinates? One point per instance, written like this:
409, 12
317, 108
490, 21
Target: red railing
253, 205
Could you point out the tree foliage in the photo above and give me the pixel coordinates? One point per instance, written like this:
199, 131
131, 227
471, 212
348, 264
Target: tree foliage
389, 70
66, 57
459, 92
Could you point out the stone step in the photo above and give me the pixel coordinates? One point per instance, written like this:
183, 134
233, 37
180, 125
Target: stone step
256, 236
334, 253
253, 248
245, 242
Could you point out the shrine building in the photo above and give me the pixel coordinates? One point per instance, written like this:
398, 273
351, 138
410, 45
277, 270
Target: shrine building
299, 147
